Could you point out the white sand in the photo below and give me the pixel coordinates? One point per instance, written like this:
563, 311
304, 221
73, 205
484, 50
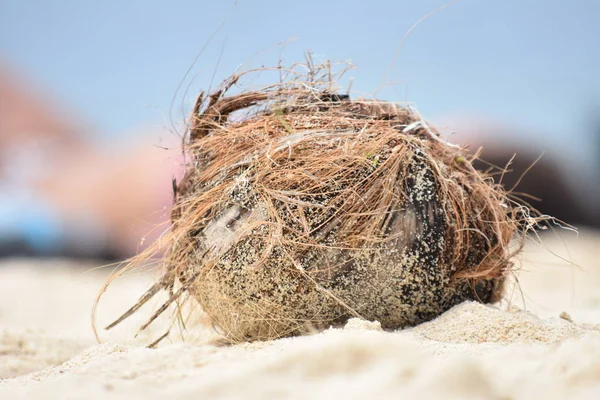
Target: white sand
551, 351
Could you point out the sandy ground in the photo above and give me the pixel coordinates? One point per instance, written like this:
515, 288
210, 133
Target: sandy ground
542, 342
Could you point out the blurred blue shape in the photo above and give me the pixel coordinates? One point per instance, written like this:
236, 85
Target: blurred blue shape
30, 222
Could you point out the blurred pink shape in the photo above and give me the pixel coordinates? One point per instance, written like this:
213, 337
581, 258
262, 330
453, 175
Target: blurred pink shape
107, 200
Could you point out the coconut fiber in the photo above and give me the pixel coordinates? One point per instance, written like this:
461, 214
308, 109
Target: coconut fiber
301, 208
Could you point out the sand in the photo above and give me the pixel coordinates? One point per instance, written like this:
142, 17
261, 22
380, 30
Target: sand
542, 343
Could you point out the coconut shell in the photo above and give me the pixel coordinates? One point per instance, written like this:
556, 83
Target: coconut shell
360, 219
300, 209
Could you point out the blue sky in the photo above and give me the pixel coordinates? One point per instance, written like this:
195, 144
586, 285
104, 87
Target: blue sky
531, 64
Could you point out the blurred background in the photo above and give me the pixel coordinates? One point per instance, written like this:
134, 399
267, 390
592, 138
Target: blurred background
94, 95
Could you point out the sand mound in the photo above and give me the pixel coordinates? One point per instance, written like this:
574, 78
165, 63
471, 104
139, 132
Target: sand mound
478, 323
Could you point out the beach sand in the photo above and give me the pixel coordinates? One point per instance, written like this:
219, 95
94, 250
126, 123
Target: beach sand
543, 341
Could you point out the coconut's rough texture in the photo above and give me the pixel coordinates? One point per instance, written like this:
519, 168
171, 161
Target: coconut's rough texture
309, 209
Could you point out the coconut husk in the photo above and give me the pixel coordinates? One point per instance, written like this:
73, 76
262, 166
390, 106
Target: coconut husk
301, 208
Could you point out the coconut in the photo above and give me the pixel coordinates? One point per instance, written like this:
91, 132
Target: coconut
301, 208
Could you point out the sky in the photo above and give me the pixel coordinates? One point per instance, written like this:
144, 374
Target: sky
532, 65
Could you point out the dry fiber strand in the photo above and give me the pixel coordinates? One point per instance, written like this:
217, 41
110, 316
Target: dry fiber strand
301, 208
